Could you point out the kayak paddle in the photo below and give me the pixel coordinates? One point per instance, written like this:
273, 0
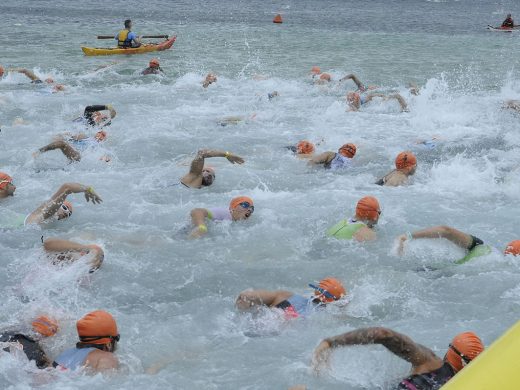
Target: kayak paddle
144, 36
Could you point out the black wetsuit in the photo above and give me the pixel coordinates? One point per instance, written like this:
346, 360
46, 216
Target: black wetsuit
508, 23
31, 348
430, 381
89, 113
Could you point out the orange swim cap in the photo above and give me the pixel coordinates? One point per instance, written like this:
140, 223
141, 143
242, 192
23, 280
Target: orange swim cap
277, 19
305, 147
100, 136
5, 179
154, 63
325, 76
467, 344
1, 70
334, 287
513, 248
368, 208
315, 70
45, 326
97, 327
405, 160
348, 150
235, 202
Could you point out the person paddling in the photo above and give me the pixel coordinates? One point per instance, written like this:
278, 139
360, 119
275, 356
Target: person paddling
126, 38
508, 22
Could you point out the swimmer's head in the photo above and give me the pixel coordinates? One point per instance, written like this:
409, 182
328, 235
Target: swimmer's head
99, 328
45, 326
513, 248
65, 210
348, 150
406, 161
154, 63
367, 209
463, 349
241, 207
315, 70
325, 77
101, 119
508, 16
2, 70
49, 80
58, 88
210, 79
7, 188
305, 147
354, 99
329, 290
100, 136
208, 176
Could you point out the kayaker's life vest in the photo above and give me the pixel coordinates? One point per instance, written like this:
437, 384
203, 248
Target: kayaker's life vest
430, 381
122, 39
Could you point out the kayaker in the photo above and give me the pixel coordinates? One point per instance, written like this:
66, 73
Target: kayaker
55, 209
429, 372
293, 305
27, 340
332, 160
473, 246
126, 38
361, 226
74, 145
200, 176
98, 338
240, 208
508, 22
7, 188
355, 100
153, 67
405, 166
65, 252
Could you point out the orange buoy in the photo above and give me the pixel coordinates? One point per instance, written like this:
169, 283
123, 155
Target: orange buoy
277, 19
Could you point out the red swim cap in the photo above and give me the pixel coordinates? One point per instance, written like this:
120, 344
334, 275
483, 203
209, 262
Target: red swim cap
315, 70
45, 326
348, 150
467, 344
5, 179
368, 208
235, 202
405, 160
513, 248
97, 327
305, 147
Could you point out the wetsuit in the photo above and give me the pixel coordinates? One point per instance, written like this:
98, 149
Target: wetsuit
72, 358
339, 162
88, 114
430, 381
345, 229
219, 214
298, 306
30, 347
477, 248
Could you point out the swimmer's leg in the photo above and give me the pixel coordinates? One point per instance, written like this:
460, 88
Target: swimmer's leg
72, 154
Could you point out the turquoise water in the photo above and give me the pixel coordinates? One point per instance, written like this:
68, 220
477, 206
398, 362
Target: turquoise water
173, 298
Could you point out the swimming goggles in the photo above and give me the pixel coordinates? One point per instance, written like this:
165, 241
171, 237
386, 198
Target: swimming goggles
86, 339
464, 358
324, 292
66, 209
5, 181
247, 205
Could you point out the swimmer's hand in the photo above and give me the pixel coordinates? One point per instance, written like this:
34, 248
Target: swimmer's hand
234, 159
198, 232
320, 360
90, 195
401, 240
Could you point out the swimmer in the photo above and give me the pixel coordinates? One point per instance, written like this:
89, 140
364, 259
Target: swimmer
331, 160
94, 116
240, 208
318, 77
200, 176
361, 226
293, 305
361, 87
7, 188
429, 372
473, 246
73, 146
356, 100
55, 209
153, 67
126, 38
98, 338
512, 105
210, 79
36, 80
272, 95
66, 252
405, 166
27, 341
304, 149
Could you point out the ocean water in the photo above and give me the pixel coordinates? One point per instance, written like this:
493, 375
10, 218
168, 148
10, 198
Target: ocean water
173, 298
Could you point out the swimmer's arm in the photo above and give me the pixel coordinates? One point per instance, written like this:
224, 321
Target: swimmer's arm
354, 78
58, 245
198, 218
397, 343
232, 158
195, 173
26, 72
101, 361
250, 299
459, 238
323, 158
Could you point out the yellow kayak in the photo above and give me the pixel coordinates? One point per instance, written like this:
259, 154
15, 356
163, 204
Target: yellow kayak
145, 48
